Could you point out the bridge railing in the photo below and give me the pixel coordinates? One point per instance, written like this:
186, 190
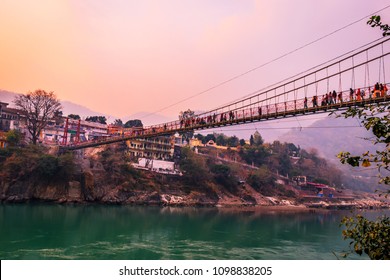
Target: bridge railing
293, 97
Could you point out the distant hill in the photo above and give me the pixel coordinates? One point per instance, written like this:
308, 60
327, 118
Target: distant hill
73, 108
331, 136
7, 96
148, 118
68, 107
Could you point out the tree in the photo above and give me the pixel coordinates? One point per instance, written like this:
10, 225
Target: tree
13, 137
194, 168
38, 107
254, 154
233, 141
188, 114
263, 181
118, 122
208, 138
221, 140
73, 116
375, 21
183, 117
98, 119
371, 237
200, 137
257, 139
133, 123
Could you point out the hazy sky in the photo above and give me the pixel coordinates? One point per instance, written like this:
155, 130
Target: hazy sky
121, 57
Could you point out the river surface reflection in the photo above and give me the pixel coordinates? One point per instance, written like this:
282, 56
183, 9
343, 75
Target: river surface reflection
51, 231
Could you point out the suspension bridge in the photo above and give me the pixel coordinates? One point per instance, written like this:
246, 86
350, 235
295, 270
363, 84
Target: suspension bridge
357, 78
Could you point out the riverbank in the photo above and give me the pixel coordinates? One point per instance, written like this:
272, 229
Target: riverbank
106, 177
228, 202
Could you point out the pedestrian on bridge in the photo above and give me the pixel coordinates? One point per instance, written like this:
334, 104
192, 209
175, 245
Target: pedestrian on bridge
351, 94
314, 101
334, 96
305, 103
358, 95
340, 97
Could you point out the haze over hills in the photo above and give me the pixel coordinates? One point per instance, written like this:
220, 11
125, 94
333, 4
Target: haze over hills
331, 136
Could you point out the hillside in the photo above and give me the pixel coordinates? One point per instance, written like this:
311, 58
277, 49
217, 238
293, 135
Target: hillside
332, 135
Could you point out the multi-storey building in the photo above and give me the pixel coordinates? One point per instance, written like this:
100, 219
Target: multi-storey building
76, 130
161, 147
10, 118
155, 148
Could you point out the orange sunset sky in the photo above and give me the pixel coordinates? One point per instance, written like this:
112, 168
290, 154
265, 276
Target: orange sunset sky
120, 57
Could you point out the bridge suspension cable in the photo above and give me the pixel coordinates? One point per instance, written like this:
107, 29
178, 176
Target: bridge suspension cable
285, 100
264, 64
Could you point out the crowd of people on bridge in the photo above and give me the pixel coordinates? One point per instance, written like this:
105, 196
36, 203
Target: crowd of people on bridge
253, 111
379, 90
331, 98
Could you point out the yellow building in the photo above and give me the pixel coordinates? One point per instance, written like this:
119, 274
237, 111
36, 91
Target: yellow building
195, 142
155, 148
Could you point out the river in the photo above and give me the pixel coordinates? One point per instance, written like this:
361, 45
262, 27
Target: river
52, 231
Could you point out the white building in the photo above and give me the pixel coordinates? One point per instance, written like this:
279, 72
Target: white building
159, 166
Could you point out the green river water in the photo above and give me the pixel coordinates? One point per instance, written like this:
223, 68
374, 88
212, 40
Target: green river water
51, 231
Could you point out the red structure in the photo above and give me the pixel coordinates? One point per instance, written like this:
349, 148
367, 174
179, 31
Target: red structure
65, 136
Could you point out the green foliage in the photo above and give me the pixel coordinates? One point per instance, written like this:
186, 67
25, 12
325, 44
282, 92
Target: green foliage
285, 164
321, 181
375, 21
47, 166
133, 123
221, 140
224, 176
242, 142
127, 169
375, 118
22, 163
183, 116
118, 122
200, 137
73, 116
263, 181
195, 171
220, 169
33, 163
188, 114
13, 137
233, 141
115, 163
369, 237
4, 154
254, 154
66, 166
209, 137
97, 119
257, 139
372, 238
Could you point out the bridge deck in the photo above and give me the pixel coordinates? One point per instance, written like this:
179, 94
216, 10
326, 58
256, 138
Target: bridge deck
241, 116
